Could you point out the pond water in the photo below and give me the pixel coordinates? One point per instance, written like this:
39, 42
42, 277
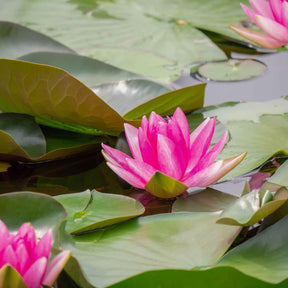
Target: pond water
272, 84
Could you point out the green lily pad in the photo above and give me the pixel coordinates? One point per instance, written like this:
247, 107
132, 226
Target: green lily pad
25, 132
17, 40
280, 176
171, 40
125, 95
164, 241
251, 208
42, 211
208, 200
87, 70
264, 256
94, 210
10, 278
61, 102
232, 70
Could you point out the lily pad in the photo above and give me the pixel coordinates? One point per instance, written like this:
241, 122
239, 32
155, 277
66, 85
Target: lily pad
17, 40
42, 211
87, 70
251, 208
232, 70
94, 210
25, 132
208, 200
264, 256
165, 241
280, 176
63, 105
156, 40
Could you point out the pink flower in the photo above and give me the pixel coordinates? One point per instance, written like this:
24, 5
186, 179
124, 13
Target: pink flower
170, 149
270, 16
29, 257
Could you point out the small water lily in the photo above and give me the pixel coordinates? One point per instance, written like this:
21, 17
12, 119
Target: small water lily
167, 159
29, 257
270, 16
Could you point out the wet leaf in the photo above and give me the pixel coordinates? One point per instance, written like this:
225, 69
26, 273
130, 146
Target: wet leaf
280, 176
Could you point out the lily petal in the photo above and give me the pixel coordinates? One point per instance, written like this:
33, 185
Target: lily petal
55, 267
276, 7
214, 172
272, 28
260, 39
249, 12
142, 169
35, 274
128, 176
213, 153
182, 122
199, 142
132, 138
168, 160
262, 7
116, 157
285, 13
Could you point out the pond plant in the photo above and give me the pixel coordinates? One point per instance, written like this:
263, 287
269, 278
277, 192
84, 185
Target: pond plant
110, 178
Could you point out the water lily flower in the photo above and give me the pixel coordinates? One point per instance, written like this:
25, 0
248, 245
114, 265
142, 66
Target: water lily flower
270, 16
167, 159
29, 257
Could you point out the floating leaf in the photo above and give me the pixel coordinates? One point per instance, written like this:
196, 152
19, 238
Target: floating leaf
87, 70
17, 40
208, 200
171, 40
25, 132
264, 256
42, 211
89, 211
232, 70
250, 208
64, 99
165, 241
125, 95
280, 176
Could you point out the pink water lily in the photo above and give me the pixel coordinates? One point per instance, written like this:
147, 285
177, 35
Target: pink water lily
168, 147
29, 257
270, 16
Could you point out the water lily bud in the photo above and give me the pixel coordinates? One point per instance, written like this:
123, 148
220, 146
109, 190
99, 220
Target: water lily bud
29, 257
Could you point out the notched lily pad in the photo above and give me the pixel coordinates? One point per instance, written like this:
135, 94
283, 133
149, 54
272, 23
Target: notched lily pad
94, 210
232, 70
